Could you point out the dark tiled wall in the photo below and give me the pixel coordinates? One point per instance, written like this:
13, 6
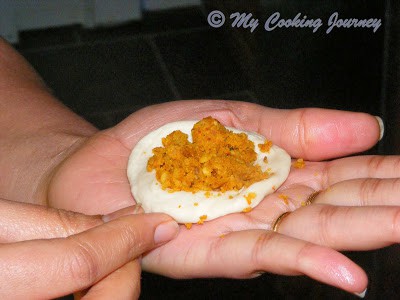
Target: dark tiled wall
106, 74
294, 67
177, 55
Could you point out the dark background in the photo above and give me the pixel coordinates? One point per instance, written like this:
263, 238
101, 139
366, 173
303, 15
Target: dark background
105, 74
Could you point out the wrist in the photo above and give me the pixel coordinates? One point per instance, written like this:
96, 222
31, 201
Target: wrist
37, 132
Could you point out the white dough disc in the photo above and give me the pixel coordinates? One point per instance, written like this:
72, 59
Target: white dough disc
181, 205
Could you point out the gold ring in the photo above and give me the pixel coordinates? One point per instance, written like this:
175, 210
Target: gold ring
311, 198
279, 221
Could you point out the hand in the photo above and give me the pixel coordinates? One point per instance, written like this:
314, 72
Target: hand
48, 158
97, 171
47, 253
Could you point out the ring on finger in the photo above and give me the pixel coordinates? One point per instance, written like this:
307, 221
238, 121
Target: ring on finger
279, 220
311, 198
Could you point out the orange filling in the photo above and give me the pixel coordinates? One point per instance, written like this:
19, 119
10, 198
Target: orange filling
249, 197
216, 160
299, 164
265, 147
202, 219
284, 198
247, 209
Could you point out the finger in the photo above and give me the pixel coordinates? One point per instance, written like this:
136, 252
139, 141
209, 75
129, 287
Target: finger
308, 133
123, 283
22, 221
344, 228
50, 268
362, 192
362, 167
244, 254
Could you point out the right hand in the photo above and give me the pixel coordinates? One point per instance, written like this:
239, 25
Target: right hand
48, 253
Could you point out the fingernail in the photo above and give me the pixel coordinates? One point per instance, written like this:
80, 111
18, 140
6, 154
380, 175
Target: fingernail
130, 210
362, 294
381, 126
165, 232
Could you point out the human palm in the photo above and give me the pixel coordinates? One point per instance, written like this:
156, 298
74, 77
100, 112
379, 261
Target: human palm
93, 180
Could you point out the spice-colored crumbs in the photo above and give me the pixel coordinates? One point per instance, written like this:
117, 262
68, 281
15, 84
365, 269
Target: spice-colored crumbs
265, 147
284, 198
202, 219
265, 159
299, 164
188, 225
195, 204
247, 209
216, 160
249, 197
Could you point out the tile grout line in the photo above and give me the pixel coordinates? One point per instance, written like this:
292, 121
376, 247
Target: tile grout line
164, 68
80, 43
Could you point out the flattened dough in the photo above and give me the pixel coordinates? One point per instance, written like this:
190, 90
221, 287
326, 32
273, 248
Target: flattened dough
188, 207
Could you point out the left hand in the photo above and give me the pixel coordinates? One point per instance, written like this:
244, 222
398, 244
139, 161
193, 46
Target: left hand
47, 253
97, 171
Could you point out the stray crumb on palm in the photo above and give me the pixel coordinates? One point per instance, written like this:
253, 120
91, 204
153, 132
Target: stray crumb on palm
299, 164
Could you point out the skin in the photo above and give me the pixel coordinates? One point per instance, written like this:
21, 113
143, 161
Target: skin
53, 157
248, 240
49, 253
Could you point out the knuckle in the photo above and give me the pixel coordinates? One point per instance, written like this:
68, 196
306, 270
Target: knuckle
134, 239
369, 189
70, 223
260, 248
82, 263
232, 112
325, 223
375, 163
305, 251
395, 186
382, 165
300, 133
65, 222
396, 164
303, 138
327, 175
240, 114
130, 240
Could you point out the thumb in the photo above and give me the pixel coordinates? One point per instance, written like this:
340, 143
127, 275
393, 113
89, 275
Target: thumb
26, 221
55, 267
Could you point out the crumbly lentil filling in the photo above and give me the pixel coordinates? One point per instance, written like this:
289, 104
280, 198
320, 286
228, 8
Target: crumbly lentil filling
216, 160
